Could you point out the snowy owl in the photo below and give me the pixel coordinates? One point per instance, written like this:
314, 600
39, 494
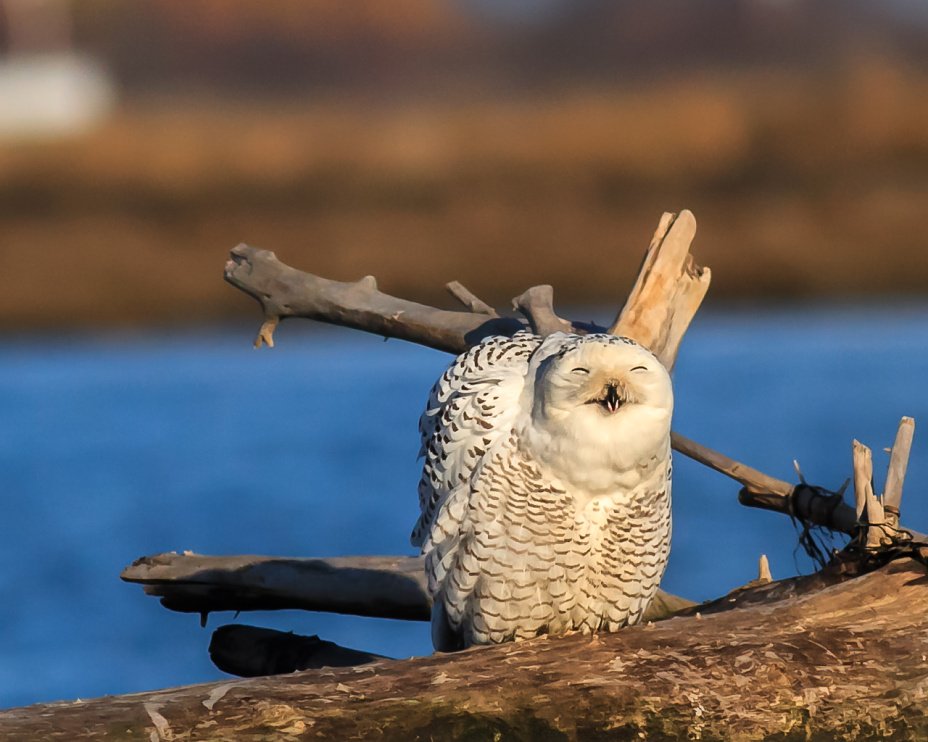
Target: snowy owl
545, 493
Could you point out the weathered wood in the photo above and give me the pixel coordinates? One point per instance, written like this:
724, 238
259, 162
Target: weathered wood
661, 306
382, 587
668, 292
895, 476
751, 478
847, 662
810, 504
537, 305
284, 292
763, 569
863, 487
473, 303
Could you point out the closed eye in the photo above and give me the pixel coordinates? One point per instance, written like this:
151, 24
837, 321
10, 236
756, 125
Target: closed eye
580, 370
640, 368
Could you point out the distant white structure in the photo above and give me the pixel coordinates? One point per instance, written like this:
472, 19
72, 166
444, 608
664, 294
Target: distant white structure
47, 90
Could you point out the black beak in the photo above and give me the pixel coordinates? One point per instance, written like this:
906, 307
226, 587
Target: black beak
612, 401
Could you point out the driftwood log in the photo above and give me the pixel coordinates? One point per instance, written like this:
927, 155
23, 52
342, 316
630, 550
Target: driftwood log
814, 657
820, 657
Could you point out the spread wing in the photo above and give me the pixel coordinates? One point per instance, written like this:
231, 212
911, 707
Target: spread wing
470, 407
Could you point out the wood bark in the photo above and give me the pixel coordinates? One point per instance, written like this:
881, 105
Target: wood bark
820, 657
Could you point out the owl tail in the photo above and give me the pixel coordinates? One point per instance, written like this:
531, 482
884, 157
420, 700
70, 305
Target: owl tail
445, 638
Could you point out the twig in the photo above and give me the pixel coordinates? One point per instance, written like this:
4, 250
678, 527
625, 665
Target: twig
537, 305
460, 292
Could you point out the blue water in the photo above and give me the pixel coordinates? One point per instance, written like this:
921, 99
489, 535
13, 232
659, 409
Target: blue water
115, 447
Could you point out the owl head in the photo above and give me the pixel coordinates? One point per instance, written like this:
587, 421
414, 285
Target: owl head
601, 407
602, 377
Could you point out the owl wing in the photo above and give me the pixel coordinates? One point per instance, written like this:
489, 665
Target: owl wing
473, 403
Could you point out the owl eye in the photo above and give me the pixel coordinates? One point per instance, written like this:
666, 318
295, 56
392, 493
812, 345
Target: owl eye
640, 368
579, 370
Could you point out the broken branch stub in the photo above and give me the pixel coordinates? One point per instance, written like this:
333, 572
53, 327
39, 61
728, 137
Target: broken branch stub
895, 476
470, 300
668, 292
537, 305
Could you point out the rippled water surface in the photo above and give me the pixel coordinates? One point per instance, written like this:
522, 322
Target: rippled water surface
115, 447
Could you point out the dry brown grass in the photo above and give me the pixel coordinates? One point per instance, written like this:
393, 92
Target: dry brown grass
811, 187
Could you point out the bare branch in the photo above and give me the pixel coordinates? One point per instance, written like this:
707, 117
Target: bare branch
811, 504
537, 305
668, 292
752, 479
286, 292
473, 303
383, 587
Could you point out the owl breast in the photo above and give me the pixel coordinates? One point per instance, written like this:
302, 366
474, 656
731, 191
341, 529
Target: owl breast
539, 559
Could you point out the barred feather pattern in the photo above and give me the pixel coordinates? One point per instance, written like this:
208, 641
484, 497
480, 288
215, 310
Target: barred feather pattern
514, 550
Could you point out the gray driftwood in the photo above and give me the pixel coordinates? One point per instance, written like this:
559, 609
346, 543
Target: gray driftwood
668, 292
794, 661
382, 587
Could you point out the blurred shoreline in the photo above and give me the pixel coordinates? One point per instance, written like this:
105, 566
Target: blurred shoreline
459, 148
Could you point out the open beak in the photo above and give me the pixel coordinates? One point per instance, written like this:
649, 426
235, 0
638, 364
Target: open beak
612, 401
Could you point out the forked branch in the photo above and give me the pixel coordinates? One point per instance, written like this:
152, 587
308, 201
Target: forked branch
668, 292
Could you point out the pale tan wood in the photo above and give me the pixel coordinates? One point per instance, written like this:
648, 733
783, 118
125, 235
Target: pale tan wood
668, 292
895, 476
378, 586
863, 489
862, 473
763, 569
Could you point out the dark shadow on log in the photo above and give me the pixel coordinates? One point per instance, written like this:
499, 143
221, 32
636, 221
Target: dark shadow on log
249, 651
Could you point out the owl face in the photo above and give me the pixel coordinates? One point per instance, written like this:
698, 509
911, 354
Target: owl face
603, 381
